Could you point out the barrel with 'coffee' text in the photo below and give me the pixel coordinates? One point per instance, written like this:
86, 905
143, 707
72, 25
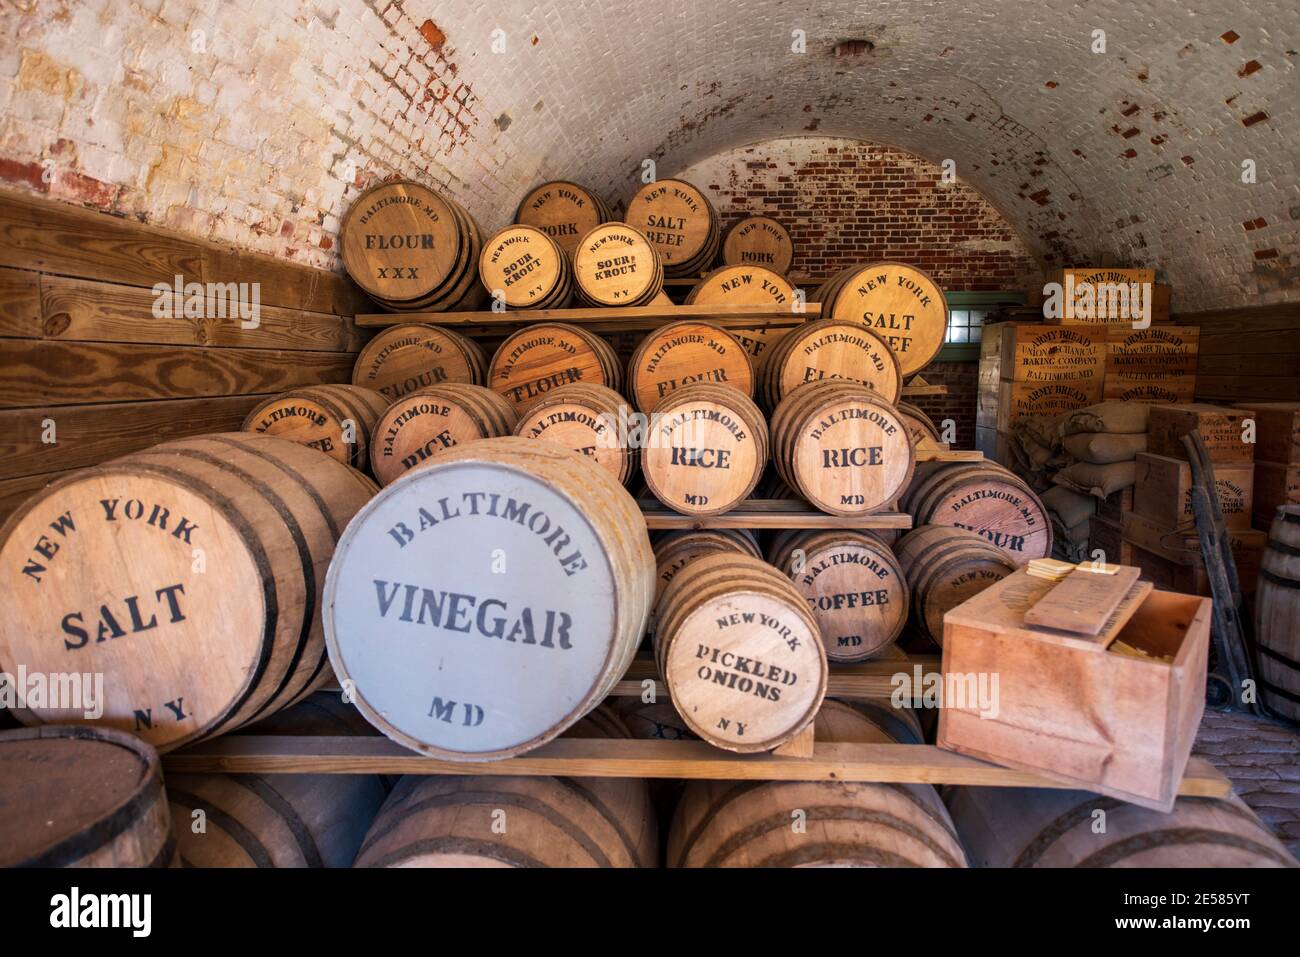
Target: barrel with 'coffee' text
486, 601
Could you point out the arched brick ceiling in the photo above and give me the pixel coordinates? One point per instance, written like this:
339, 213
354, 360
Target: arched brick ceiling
1133, 155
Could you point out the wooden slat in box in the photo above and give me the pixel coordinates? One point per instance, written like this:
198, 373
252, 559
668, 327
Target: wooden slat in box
1277, 430
1073, 710
1276, 484
1163, 492
1045, 354
1221, 428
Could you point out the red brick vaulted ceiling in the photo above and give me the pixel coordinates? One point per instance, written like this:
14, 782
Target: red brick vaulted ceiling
263, 132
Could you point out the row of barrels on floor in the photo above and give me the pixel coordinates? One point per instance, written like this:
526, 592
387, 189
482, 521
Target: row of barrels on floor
135, 819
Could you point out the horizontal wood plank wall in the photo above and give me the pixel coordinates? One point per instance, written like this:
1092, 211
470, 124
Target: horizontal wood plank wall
1248, 353
81, 348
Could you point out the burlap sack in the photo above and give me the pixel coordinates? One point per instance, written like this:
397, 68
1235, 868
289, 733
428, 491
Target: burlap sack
1103, 448
1070, 506
1098, 480
1124, 418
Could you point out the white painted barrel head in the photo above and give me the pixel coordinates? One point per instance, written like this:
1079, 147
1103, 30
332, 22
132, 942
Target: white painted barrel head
471, 611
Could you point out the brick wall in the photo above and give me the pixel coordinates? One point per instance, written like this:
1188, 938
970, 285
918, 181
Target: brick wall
962, 380
847, 202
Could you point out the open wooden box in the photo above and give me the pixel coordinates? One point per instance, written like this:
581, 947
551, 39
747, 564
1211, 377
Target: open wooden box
1076, 709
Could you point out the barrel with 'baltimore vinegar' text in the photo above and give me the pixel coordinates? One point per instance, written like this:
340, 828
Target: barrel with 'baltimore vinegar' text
82, 797
188, 574
842, 447
423, 423
740, 652
486, 601
749, 823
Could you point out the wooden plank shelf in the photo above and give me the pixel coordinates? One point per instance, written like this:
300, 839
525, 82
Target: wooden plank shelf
767, 513
613, 319
624, 758
909, 391
949, 455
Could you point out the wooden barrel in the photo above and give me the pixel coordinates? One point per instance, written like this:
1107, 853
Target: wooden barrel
675, 550
739, 652
587, 418
615, 265
681, 223
814, 823
829, 349
1277, 615
423, 423
272, 820
747, 285
523, 268
943, 567
188, 574
488, 600
705, 449
900, 303
682, 353
842, 447
919, 425
409, 247
1042, 827
985, 498
81, 797
564, 211
407, 357
545, 356
854, 586
518, 821
758, 241
336, 419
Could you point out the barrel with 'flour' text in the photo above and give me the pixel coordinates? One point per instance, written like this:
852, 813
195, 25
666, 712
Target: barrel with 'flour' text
486, 601
188, 575
985, 498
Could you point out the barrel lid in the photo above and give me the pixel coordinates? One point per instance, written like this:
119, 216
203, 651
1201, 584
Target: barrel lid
66, 790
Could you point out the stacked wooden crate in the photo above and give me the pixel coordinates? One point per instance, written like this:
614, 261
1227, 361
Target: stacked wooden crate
1034, 370
1160, 532
1277, 458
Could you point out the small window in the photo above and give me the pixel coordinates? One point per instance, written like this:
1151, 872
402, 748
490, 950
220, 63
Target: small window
965, 326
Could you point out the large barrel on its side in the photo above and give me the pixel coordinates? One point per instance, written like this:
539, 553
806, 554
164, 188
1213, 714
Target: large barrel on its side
1041, 827
817, 824
81, 797
188, 574
985, 498
279, 820
943, 567
679, 220
1277, 616
518, 821
337, 419
486, 601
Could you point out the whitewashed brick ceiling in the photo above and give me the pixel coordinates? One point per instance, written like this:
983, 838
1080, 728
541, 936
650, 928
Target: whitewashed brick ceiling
244, 119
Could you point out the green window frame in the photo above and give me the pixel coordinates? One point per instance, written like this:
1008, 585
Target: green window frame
966, 314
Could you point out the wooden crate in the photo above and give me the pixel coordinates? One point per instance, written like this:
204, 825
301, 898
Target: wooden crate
1105, 536
1043, 353
1276, 484
1221, 428
1114, 505
1152, 365
1116, 315
1019, 399
1075, 710
1164, 491
1151, 547
1277, 430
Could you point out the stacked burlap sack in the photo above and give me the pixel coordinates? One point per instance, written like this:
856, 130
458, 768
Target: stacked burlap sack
1101, 443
